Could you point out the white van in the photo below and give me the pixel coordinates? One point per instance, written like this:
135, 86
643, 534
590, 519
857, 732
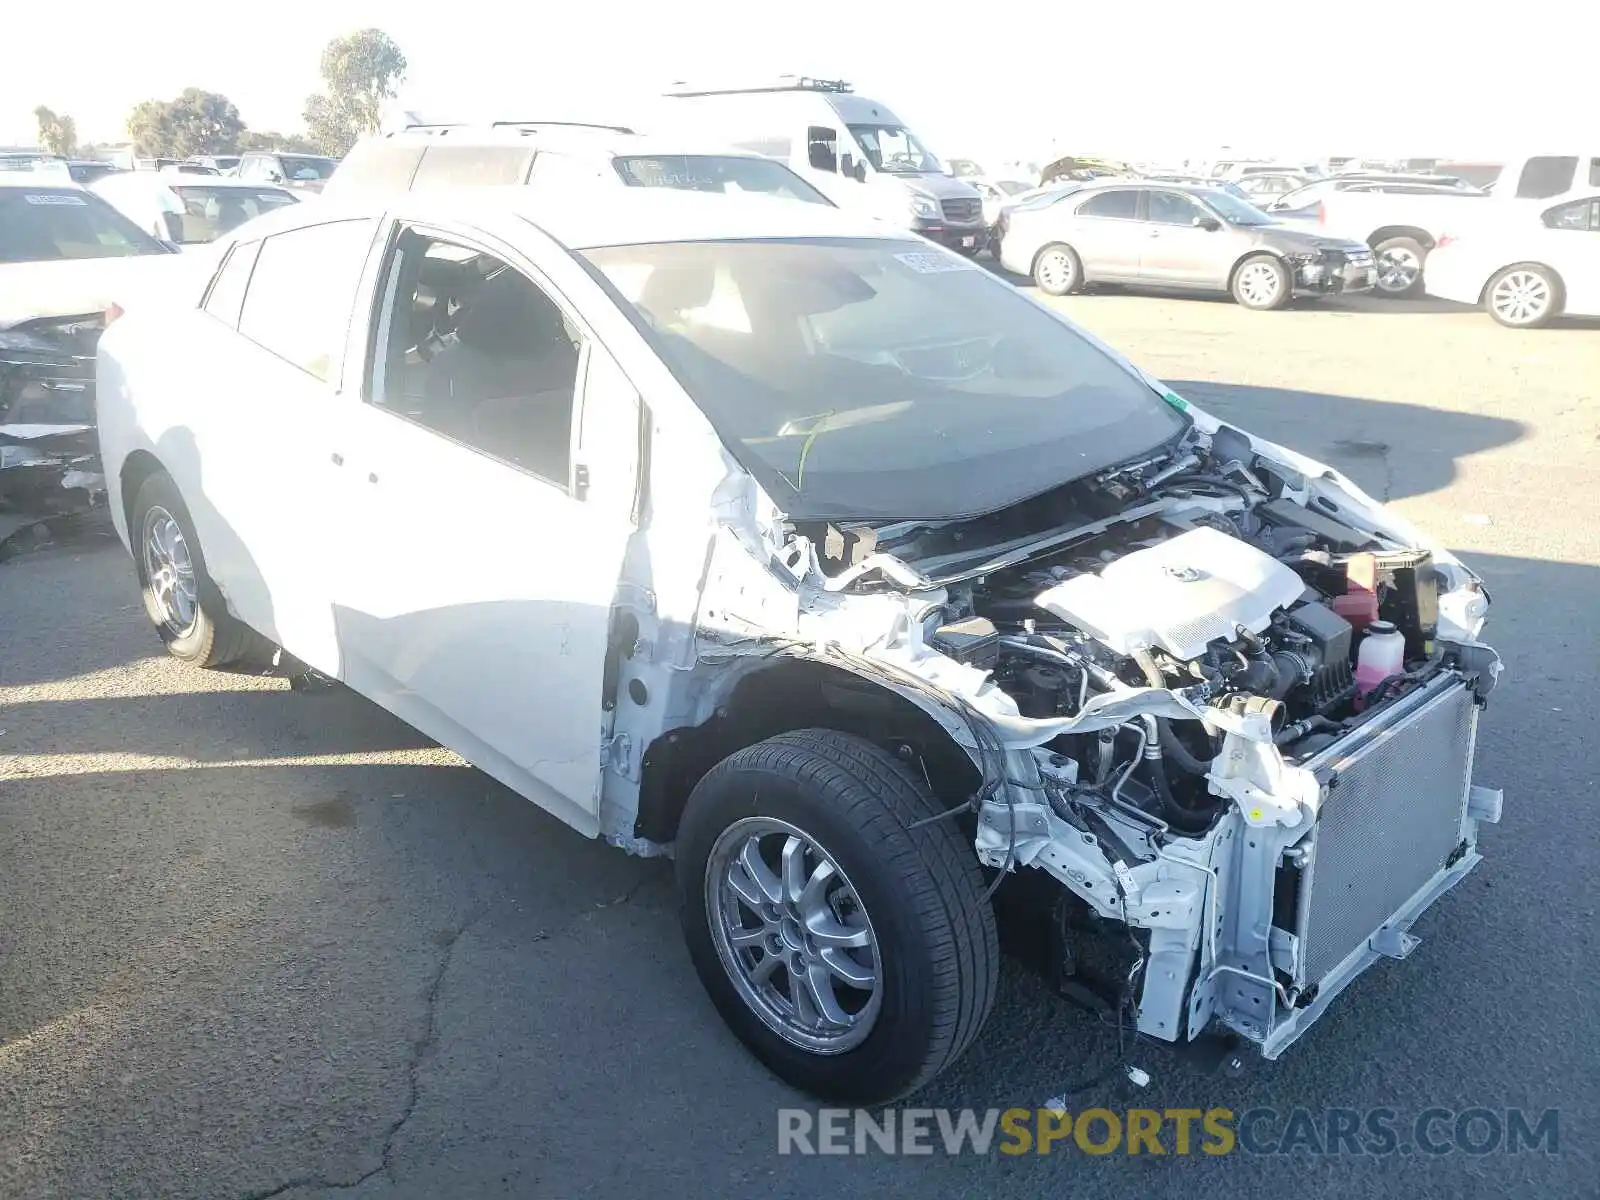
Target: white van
852, 148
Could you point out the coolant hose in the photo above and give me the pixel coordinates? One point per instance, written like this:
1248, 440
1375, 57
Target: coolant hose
1177, 815
1171, 747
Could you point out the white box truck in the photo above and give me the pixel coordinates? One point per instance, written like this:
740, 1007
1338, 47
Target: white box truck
852, 148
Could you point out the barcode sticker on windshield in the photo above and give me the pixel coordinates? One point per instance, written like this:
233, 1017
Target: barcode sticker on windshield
930, 264
54, 198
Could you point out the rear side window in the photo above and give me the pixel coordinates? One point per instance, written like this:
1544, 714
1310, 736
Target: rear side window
1594, 172
209, 211
226, 295
1546, 177
1581, 214
380, 164
301, 293
1123, 205
45, 224
443, 163
729, 173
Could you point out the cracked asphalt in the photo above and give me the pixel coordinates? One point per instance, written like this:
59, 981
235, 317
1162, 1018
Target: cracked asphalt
256, 942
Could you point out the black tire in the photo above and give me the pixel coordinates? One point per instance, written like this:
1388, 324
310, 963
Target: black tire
921, 889
1414, 252
1535, 275
215, 638
1057, 270
1253, 268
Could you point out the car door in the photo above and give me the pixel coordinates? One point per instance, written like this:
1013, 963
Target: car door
489, 473
1108, 234
1571, 240
267, 368
1185, 244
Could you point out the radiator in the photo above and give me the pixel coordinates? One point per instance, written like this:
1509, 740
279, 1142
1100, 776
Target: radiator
1391, 820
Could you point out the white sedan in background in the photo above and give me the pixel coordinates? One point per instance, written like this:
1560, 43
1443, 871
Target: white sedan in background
1525, 272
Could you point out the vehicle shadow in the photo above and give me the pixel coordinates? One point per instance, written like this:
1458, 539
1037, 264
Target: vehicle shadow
1389, 448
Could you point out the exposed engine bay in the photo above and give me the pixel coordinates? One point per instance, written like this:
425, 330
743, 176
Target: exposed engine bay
1228, 704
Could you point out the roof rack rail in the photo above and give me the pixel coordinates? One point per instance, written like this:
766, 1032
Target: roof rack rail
783, 83
560, 125
437, 129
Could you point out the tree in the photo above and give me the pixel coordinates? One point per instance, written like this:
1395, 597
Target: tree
289, 143
58, 133
197, 122
359, 72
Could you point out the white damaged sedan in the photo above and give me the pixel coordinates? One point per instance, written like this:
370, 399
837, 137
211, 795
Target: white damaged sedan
877, 593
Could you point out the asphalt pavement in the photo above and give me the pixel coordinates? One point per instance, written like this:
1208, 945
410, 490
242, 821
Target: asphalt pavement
258, 942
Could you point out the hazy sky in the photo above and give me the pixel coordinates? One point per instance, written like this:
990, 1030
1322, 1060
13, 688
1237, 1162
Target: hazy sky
1150, 77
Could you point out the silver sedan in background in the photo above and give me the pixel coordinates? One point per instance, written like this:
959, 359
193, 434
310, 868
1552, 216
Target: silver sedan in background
1178, 236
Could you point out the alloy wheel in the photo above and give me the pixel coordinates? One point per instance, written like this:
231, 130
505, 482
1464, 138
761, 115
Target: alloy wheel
169, 572
793, 935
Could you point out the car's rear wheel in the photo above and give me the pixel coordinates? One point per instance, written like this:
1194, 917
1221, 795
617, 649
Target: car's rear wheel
1400, 261
1057, 270
182, 603
1525, 296
852, 951
1262, 282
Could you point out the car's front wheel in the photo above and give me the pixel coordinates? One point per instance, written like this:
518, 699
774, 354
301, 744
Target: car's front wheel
179, 597
1262, 282
849, 948
1525, 296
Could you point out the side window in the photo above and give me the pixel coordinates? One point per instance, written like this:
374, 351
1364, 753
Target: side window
1122, 205
250, 168
443, 163
380, 164
1546, 177
1577, 215
226, 294
1172, 208
1594, 172
822, 148
301, 293
551, 169
473, 349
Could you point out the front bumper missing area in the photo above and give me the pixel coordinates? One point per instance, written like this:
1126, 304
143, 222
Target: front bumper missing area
1257, 926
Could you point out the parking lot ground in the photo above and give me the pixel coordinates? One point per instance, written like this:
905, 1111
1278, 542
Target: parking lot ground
257, 942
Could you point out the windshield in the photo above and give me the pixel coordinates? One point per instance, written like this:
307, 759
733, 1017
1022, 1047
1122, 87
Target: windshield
1013, 187
1235, 211
1309, 194
302, 169
43, 224
210, 212
891, 148
728, 173
882, 379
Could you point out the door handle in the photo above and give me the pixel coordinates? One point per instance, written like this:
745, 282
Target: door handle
1155, 233
338, 459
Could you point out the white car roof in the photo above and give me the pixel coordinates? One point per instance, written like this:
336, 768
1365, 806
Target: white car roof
587, 219
574, 138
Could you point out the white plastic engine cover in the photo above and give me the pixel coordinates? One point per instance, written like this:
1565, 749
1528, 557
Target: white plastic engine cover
1179, 595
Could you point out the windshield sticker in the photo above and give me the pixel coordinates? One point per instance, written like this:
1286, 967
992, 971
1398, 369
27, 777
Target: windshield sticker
1177, 401
55, 198
929, 263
